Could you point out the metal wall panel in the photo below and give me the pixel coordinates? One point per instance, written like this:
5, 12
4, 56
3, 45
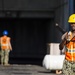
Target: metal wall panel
0, 4
28, 4
61, 17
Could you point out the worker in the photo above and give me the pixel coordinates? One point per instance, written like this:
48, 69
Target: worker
68, 42
5, 48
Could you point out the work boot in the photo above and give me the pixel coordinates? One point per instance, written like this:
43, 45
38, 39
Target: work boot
58, 71
6, 64
2, 64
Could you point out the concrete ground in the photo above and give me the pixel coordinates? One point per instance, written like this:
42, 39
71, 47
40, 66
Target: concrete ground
26, 69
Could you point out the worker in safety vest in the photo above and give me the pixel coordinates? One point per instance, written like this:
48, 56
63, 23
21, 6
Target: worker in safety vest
5, 48
68, 41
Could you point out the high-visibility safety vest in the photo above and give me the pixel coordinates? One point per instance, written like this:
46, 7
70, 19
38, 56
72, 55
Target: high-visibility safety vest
5, 43
70, 48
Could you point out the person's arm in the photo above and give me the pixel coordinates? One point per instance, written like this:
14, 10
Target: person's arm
63, 42
10, 44
61, 45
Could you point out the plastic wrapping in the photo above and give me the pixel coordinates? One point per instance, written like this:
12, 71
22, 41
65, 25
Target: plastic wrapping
53, 62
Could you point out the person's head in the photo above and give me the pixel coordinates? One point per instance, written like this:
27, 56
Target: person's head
71, 20
5, 32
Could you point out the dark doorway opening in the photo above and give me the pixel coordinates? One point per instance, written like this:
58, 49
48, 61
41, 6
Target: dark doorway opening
28, 38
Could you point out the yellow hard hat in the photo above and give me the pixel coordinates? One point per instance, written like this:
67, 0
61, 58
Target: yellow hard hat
71, 18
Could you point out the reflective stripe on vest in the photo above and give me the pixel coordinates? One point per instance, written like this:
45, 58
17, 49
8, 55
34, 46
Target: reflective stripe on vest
5, 45
73, 51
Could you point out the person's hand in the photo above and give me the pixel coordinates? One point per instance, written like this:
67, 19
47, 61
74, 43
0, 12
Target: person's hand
10, 48
65, 36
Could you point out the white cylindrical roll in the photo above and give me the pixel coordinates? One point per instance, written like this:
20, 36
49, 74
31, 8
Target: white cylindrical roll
53, 62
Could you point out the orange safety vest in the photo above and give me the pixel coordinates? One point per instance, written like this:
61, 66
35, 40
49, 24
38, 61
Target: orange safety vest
5, 43
70, 48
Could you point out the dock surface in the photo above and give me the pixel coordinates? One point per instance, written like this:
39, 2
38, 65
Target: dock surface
26, 69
